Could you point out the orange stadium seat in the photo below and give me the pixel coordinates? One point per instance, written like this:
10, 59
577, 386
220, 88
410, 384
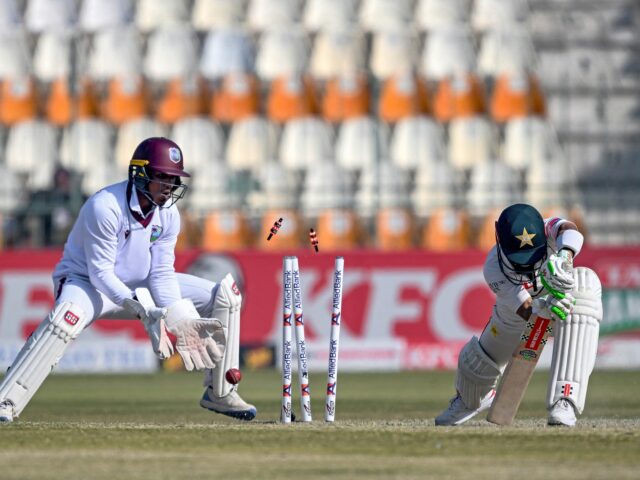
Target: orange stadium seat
18, 100
403, 95
447, 229
291, 96
237, 98
190, 231
126, 100
458, 96
486, 237
345, 97
182, 98
289, 234
225, 230
337, 229
394, 229
516, 95
59, 103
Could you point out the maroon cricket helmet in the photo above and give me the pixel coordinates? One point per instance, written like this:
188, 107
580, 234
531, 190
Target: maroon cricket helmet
161, 155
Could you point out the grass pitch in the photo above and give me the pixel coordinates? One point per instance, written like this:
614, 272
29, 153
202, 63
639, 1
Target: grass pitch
151, 427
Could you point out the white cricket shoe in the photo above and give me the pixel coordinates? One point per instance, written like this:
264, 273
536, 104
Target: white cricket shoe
562, 413
458, 412
6, 411
231, 405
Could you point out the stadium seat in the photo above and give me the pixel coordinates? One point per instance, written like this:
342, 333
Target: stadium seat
126, 99
18, 101
472, 141
361, 143
291, 96
237, 98
226, 50
181, 98
458, 96
14, 54
417, 141
548, 184
338, 229
394, 229
488, 14
507, 49
437, 185
252, 142
485, 239
384, 185
52, 56
448, 50
266, 14
212, 188
337, 50
9, 15
404, 94
329, 187
447, 229
319, 14
61, 107
152, 14
378, 15
282, 51
31, 152
516, 95
433, 14
305, 143
129, 136
217, 14
225, 230
97, 15
493, 184
346, 96
190, 235
116, 51
201, 141
177, 43
528, 140
289, 235
47, 15
11, 196
393, 51
274, 189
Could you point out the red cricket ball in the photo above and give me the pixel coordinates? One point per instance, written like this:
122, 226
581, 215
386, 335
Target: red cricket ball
233, 376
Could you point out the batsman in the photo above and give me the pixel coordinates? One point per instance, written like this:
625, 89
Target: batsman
531, 272
119, 257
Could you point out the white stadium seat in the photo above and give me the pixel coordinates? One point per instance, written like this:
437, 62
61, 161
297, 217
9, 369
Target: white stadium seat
201, 141
433, 14
282, 51
52, 56
48, 15
527, 141
212, 14
267, 14
376, 15
506, 50
437, 184
14, 54
488, 14
115, 52
129, 137
472, 141
252, 142
549, 183
493, 185
276, 188
12, 192
393, 51
209, 190
152, 14
328, 187
320, 14
417, 141
305, 143
226, 50
9, 14
337, 50
31, 152
96, 15
177, 43
448, 50
361, 143
384, 185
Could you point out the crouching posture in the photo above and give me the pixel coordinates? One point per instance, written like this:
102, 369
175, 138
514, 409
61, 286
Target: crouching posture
123, 242
532, 258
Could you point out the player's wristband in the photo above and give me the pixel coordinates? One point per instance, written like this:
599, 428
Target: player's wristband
571, 239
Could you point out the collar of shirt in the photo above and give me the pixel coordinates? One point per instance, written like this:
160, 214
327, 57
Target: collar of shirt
136, 209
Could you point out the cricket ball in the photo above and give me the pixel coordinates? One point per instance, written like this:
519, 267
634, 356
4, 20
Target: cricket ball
233, 376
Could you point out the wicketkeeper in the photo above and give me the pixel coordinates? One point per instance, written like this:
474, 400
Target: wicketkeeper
532, 258
124, 239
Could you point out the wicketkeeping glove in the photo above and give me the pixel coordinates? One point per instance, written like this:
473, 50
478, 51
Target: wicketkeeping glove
153, 321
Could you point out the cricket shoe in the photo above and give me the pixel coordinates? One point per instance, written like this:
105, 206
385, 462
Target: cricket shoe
458, 412
6, 411
562, 413
231, 405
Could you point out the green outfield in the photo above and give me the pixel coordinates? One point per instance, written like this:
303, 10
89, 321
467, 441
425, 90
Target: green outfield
151, 427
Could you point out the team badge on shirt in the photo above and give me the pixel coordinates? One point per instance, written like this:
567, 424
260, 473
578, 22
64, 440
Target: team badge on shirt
156, 231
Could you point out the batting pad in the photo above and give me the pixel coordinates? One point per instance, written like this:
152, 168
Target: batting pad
41, 353
576, 342
226, 309
477, 374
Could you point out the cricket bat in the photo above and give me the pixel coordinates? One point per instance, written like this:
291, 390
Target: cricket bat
517, 375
